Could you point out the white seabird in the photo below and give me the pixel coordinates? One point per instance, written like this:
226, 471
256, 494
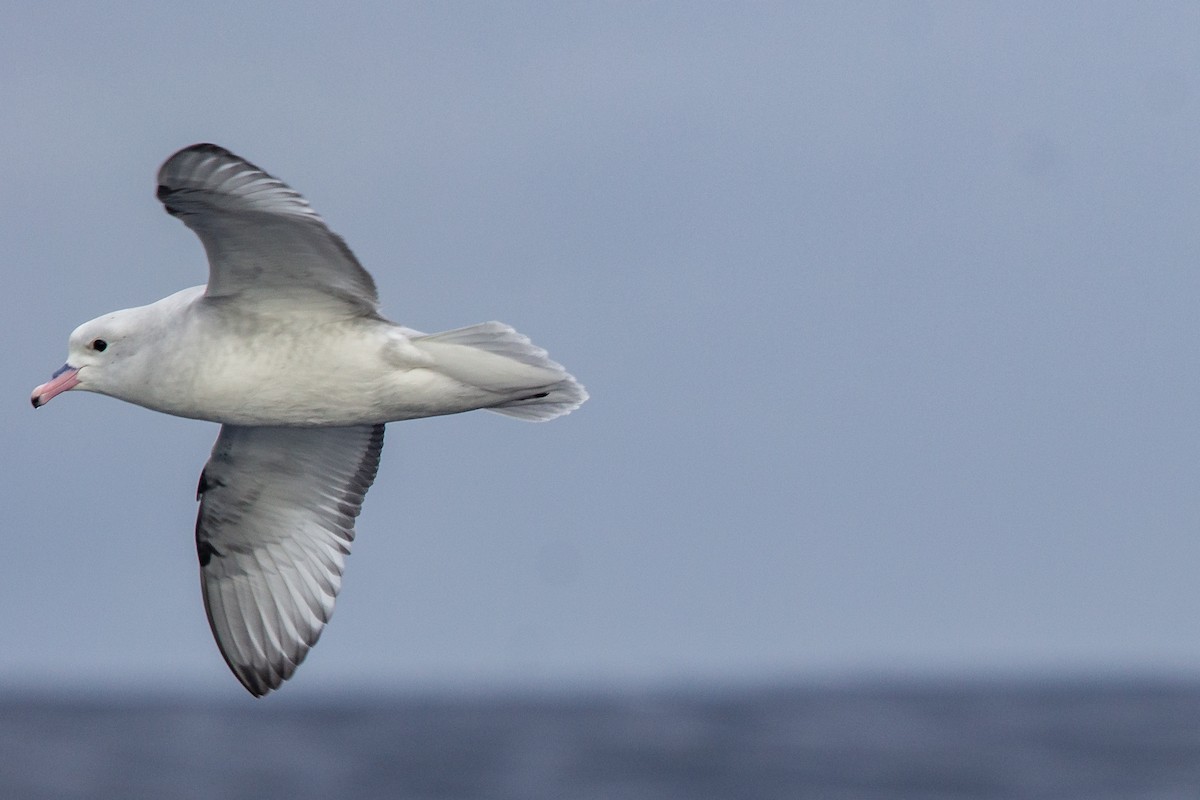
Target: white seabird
286, 349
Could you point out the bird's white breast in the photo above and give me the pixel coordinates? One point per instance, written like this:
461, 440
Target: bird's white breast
266, 370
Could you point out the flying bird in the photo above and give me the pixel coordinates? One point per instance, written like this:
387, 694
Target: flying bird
286, 349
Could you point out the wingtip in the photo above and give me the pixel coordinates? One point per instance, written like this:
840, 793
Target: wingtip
255, 683
204, 147
257, 694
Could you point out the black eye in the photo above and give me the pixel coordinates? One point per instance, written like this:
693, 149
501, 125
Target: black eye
99, 345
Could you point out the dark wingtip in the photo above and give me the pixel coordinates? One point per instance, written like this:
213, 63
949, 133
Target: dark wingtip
205, 551
209, 147
202, 147
163, 193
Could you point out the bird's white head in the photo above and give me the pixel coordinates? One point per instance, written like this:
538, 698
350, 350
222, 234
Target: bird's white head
96, 350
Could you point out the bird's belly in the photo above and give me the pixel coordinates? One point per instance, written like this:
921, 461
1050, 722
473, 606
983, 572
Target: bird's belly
345, 394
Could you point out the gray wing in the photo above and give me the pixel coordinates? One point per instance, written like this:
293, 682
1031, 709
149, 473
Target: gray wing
277, 510
263, 239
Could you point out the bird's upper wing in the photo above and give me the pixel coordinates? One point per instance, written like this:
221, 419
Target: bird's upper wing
263, 239
276, 521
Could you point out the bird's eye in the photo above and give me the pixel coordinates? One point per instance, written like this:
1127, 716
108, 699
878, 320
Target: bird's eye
99, 345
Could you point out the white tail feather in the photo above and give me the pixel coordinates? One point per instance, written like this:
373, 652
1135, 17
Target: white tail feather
542, 393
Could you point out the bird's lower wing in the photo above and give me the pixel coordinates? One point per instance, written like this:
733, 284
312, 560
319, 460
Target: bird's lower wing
277, 510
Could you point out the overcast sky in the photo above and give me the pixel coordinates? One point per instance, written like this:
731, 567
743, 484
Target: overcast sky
888, 313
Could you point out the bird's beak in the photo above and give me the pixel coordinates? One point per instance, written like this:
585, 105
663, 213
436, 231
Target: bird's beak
65, 379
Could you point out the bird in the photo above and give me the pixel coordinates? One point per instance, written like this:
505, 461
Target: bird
286, 349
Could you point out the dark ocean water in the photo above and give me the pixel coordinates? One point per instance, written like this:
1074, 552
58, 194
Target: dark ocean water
1096, 741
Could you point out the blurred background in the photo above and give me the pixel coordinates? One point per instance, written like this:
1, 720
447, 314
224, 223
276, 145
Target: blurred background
888, 315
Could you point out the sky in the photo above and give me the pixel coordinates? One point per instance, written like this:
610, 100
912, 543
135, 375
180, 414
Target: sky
887, 312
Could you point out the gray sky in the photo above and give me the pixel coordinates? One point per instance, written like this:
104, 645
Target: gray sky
888, 314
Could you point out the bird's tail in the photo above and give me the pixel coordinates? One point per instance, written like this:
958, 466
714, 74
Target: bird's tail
494, 357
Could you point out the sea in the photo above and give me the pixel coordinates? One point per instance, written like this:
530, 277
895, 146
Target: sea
864, 740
